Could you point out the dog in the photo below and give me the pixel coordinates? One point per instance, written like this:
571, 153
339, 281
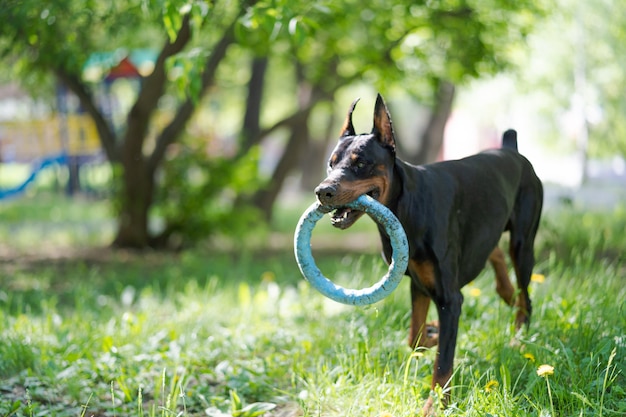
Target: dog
453, 213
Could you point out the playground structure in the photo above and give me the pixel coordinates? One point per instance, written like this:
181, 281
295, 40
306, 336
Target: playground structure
68, 137
30, 140
69, 140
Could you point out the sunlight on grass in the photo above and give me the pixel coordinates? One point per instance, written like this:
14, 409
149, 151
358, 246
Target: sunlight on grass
241, 334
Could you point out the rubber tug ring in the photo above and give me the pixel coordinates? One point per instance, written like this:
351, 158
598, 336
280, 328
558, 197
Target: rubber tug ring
387, 284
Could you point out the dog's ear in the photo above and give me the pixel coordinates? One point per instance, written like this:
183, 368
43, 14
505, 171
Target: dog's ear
348, 127
383, 130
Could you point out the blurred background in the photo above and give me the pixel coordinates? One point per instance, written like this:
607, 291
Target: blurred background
182, 121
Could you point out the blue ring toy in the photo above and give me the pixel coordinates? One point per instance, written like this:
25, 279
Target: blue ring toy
399, 259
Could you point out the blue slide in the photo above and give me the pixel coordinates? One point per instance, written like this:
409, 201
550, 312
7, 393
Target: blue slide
37, 168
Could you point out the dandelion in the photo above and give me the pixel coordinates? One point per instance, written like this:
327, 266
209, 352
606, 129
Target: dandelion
385, 414
491, 385
539, 278
268, 276
545, 370
530, 357
475, 292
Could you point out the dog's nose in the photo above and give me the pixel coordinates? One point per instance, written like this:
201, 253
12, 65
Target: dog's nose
325, 192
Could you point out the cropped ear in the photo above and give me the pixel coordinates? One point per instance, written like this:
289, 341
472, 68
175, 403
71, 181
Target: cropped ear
383, 130
348, 128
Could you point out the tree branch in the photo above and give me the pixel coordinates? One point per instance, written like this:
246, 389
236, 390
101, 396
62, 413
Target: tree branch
171, 132
153, 87
252, 116
108, 139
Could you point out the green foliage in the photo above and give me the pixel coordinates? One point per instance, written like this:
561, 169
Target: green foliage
335, 43
38, 38
200, 195
406, 42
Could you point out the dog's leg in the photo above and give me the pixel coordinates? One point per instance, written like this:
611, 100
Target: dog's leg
523, 231
504, 288
523, 261
449, 312
419, 335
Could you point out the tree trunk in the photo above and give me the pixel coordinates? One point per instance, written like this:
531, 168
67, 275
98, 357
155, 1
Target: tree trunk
136, 199
252, 118
432, 137
139, 169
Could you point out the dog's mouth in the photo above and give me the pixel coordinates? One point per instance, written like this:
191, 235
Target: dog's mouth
345, 217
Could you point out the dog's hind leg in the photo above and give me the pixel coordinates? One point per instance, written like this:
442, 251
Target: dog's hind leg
523, 230
524, 261
504, 288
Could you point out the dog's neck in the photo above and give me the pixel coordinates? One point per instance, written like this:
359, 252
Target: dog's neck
397, 181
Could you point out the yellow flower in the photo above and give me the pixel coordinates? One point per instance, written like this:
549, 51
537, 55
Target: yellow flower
491, 385
538, 278
475, 292
268, 276
385, 414
545, 370
529, 356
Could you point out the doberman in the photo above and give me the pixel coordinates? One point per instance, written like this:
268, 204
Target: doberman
453, 212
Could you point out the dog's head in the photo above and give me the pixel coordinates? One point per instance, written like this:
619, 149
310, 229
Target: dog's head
359, 164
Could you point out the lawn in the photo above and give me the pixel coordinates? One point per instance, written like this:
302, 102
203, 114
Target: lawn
85, 331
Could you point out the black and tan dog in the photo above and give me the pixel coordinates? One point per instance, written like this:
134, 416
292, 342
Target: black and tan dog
453, 212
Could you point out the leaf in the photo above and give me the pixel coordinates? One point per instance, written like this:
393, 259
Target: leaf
254, 409
15, 407
235, 401
297, 30
171, 21
169, 27
293, 26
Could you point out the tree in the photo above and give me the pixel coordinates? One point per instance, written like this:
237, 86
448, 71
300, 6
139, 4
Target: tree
420, 47
425, 49
58, 40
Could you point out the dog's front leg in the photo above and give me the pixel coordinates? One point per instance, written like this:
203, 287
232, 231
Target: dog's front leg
449, 311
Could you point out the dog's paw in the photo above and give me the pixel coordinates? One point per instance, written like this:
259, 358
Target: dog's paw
432, 329
429, 409
431, 337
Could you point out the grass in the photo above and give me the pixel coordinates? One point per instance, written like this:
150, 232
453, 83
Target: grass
239, 333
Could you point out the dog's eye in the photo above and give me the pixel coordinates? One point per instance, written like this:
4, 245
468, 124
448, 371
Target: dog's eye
359, 164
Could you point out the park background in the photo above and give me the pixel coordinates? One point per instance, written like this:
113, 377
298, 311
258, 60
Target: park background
155, 157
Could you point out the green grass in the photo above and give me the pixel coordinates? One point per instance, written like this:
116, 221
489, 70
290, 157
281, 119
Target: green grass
52, 220
237, 333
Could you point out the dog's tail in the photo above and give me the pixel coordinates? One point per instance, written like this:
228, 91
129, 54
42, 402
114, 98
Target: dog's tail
509, 139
